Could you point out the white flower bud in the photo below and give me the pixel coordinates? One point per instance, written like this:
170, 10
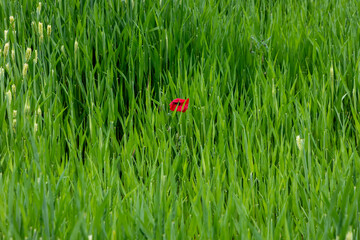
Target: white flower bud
13, 54
27, 54
14, 113
6, 34
13, 89
12, 21
6, 49
14, 125
27, 107
40, 28
300, 143
25, 69
8, 96
349, 236
41, 31
36, 56
48, 30
38, 9
76, 46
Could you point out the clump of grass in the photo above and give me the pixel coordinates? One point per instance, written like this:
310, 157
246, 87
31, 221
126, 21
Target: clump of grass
268, 148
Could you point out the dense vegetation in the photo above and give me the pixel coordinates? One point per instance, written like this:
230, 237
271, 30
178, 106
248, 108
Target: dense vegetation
268, 149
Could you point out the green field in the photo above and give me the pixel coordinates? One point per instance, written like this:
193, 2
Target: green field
268, 149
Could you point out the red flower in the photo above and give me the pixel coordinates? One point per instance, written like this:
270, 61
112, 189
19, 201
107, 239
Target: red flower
181, 105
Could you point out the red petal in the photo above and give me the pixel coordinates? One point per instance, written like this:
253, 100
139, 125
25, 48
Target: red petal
186, 105
177, 100
179, 105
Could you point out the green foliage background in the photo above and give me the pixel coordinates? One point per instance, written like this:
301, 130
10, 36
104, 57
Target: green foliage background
93, 148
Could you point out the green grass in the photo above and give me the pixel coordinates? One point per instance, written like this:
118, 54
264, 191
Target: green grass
93, 148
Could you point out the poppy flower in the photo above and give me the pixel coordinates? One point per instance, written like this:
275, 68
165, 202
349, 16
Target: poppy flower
181, 105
